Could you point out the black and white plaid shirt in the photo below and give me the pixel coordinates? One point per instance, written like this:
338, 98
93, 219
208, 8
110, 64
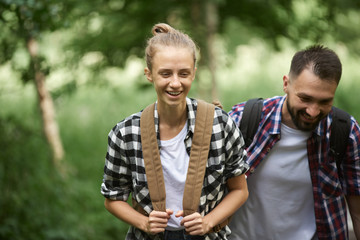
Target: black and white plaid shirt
124, 170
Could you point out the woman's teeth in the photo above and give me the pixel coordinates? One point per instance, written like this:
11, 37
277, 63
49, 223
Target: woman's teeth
174, 93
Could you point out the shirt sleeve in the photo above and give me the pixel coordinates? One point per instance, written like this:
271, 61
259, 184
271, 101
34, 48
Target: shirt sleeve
235, 150
117, 176
351, 164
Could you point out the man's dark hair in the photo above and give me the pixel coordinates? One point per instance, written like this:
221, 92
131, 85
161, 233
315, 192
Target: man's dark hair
322, 61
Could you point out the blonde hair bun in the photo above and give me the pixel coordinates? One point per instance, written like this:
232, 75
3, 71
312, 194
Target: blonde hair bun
162, 28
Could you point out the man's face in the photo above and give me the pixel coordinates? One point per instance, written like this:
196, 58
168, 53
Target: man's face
309, 99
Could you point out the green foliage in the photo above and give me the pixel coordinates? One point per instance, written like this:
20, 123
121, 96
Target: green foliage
36, 202
33, 195
297, 20
23, 20
28, 18
112, 27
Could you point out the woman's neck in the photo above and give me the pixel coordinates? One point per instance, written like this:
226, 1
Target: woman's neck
171, 121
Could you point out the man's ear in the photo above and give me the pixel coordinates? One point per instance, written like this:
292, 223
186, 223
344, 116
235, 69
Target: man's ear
147, 73
286, 83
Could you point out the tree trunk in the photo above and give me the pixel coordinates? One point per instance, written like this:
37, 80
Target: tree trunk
205, 24
212, 25
199, 35
47, 109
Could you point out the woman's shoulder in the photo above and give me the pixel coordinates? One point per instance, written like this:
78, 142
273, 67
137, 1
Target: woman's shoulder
128, 124
222, 116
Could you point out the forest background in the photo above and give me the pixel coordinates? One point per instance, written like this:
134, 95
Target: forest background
70, 70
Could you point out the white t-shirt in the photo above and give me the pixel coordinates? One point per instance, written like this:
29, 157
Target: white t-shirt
280, 204
175, 162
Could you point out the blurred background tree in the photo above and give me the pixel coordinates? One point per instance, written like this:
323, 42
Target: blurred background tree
85, 59
23, 23
119, 29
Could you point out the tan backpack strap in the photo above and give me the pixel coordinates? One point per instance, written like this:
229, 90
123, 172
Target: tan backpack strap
197, 164
198, 157
151, 155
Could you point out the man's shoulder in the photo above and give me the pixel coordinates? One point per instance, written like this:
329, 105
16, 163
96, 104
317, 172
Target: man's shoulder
273, 101
272, 105
267, 102
343, 118
268, 106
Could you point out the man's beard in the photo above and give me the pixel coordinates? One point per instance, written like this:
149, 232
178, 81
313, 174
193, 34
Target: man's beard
301, 125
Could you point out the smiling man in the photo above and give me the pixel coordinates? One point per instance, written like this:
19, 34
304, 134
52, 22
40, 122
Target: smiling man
296, 190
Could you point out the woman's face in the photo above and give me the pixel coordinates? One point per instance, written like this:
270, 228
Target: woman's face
172, 74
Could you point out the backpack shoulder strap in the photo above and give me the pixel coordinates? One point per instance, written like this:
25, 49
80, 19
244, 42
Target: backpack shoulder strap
340, 130
198, 156
251, 119
197, 164
151, 155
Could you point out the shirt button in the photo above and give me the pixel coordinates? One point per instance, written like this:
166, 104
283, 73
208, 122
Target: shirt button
252, 170
268, 149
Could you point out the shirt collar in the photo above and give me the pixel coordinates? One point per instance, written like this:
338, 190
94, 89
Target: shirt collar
324, 126
191, 112
276, 115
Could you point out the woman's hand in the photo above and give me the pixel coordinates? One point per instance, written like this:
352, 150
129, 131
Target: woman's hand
157, 221
194, 223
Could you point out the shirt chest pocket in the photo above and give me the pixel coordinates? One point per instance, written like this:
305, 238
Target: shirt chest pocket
329, 181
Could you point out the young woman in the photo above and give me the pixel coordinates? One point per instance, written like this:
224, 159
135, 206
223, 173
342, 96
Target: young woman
171, 59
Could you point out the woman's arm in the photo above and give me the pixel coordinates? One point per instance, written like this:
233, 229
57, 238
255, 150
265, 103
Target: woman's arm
155, 223
195, 224
354, 209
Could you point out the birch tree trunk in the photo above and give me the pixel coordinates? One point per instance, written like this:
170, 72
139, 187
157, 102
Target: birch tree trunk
50, 126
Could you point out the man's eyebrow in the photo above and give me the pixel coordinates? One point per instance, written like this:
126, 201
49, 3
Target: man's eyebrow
304, 95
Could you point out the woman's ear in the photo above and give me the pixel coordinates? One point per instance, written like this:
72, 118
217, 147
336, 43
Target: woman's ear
147, 73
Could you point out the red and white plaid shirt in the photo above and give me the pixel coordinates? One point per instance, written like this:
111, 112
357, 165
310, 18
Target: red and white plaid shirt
329, 189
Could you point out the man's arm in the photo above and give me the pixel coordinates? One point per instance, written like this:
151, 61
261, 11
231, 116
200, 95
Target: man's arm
354, 208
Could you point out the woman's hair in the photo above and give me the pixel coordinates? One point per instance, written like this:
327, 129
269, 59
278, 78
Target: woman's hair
322, 61
165, 35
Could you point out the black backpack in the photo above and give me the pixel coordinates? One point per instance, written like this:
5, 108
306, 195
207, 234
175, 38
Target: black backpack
340, 127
